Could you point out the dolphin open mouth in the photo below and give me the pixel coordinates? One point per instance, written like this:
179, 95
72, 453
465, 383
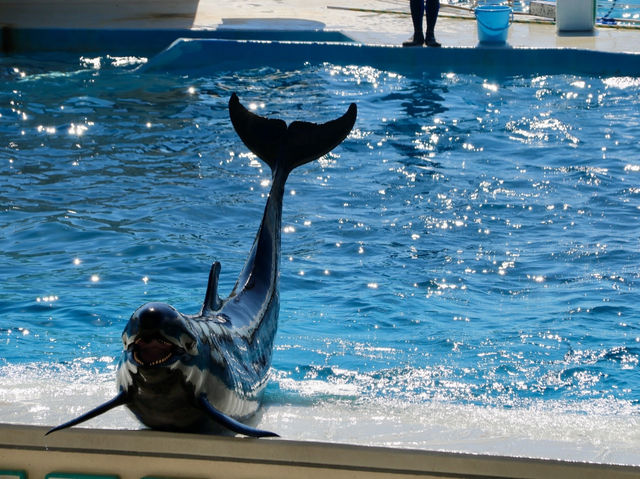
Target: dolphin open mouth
153, 350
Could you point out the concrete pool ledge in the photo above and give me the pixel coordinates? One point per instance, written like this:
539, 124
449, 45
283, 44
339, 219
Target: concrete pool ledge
145, 454
241, 43
233, 48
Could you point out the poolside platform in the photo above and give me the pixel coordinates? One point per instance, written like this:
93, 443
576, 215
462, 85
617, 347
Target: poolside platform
374, 22
81, 453
204, 36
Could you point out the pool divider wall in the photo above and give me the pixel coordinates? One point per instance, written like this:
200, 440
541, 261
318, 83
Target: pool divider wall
139, 42
223, 49
202, 56
142, 453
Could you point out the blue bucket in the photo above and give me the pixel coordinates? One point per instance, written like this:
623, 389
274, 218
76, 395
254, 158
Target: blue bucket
493, 23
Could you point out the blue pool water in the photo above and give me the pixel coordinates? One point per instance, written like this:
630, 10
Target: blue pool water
627, 10
460, 274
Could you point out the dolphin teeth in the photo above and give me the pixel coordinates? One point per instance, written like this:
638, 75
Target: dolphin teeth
153, 363
146, 356
160, 340
161, 360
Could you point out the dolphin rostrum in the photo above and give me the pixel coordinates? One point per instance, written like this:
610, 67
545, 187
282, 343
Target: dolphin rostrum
206, 372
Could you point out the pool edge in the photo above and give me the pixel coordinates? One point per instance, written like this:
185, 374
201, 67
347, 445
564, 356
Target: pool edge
136, 454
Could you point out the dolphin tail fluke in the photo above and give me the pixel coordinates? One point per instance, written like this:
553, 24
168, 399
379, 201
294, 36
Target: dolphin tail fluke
288, 147
119, 400
230, 423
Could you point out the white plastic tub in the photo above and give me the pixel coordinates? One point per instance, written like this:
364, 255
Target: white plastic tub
575, 15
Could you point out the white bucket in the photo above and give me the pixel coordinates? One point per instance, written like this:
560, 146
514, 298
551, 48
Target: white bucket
575, 15
493, 23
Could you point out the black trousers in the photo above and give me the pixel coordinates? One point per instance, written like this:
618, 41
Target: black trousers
418, 8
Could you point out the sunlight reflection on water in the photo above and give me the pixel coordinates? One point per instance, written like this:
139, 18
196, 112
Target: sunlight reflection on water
464, 262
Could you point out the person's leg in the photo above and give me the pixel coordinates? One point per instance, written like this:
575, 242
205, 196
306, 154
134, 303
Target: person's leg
433, 7
417, 12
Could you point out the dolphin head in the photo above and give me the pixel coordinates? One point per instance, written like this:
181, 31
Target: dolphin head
158, 335
165, 367
159, 348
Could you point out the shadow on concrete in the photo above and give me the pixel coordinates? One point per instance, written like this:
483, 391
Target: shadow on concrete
97, 14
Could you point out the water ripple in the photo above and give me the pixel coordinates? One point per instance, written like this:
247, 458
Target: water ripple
470, 242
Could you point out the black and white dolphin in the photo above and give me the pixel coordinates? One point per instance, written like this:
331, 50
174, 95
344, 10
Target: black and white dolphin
206, 372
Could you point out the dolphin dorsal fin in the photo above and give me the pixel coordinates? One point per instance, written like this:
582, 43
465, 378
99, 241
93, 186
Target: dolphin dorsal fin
212, 301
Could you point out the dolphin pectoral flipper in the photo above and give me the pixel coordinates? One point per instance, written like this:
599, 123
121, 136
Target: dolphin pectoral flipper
230, 423
119, 400
299, 143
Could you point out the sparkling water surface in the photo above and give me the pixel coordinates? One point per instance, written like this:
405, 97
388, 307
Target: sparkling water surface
460, 274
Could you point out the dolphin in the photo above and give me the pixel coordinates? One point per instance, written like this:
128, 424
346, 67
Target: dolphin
207, 372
